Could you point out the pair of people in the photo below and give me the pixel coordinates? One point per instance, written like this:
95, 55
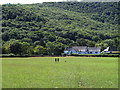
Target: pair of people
56, 59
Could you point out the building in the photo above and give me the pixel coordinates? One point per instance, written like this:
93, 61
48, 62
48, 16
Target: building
79, 50
112, 50
82, 50
71, 0
94, 50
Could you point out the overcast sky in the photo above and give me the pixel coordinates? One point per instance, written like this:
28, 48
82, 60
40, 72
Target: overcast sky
24, 1
27, 1
40, 1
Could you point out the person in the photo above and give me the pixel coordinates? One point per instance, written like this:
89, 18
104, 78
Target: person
58, 59
55, 59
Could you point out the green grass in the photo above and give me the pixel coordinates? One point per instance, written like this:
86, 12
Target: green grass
76, 72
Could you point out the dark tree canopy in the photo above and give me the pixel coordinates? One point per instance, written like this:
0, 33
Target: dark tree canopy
47, 28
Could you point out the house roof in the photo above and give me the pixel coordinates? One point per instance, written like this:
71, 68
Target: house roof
107, 49
80, 48
94, 49
83, 49
111, 49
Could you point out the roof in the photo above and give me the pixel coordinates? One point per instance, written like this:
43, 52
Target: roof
111, 49
107, 49
94, 49
80, 48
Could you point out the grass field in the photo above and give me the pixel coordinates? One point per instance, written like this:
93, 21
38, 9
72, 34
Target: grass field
76, 72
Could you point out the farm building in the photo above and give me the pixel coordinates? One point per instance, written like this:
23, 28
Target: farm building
93, 50
82, 50
112, 50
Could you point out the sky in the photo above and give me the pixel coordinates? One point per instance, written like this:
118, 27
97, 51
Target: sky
39, 1
27, 1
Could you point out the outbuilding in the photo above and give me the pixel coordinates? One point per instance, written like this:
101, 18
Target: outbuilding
112, 50
82, 50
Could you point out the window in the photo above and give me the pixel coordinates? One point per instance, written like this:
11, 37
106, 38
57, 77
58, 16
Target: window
90, 52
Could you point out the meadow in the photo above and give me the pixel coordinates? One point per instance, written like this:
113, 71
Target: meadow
70, 72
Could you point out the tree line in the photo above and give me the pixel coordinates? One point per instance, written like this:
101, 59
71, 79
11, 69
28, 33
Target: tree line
47, 28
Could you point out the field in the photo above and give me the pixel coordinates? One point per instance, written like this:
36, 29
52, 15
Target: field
70, 72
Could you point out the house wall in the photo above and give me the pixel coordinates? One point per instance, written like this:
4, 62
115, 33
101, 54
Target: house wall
93, 52
98, 52
76, 52
67, 52
106, 51
86, 53
82, 53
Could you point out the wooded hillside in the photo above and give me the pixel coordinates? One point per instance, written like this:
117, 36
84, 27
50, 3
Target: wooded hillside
47, 28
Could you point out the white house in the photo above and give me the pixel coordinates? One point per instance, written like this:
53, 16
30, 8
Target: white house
79, 50
94, 50
112, 50
82, 50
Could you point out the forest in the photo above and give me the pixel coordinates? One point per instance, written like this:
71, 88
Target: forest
47, 28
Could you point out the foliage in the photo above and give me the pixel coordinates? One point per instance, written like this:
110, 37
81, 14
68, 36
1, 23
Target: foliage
56, 25
39, 50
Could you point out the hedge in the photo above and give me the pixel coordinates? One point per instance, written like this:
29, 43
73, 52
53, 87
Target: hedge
96, 55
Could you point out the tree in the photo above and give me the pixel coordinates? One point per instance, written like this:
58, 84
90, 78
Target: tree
19, 48
50, 48
4, 50
28, 40
90, 43
70, 24
59, 47
25, 48
73, 44
110, 42
81, 42
39, 50
51, 38
95, 38
102, 45
41, 42
16, 48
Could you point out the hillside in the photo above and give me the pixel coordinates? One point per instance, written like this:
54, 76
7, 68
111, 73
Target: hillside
48, 28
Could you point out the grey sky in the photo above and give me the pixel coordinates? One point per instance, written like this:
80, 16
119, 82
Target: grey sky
40, 1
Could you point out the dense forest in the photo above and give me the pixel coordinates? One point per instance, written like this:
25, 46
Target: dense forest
47, 28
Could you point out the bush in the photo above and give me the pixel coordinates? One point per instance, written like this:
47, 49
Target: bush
8, 55
97, 55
